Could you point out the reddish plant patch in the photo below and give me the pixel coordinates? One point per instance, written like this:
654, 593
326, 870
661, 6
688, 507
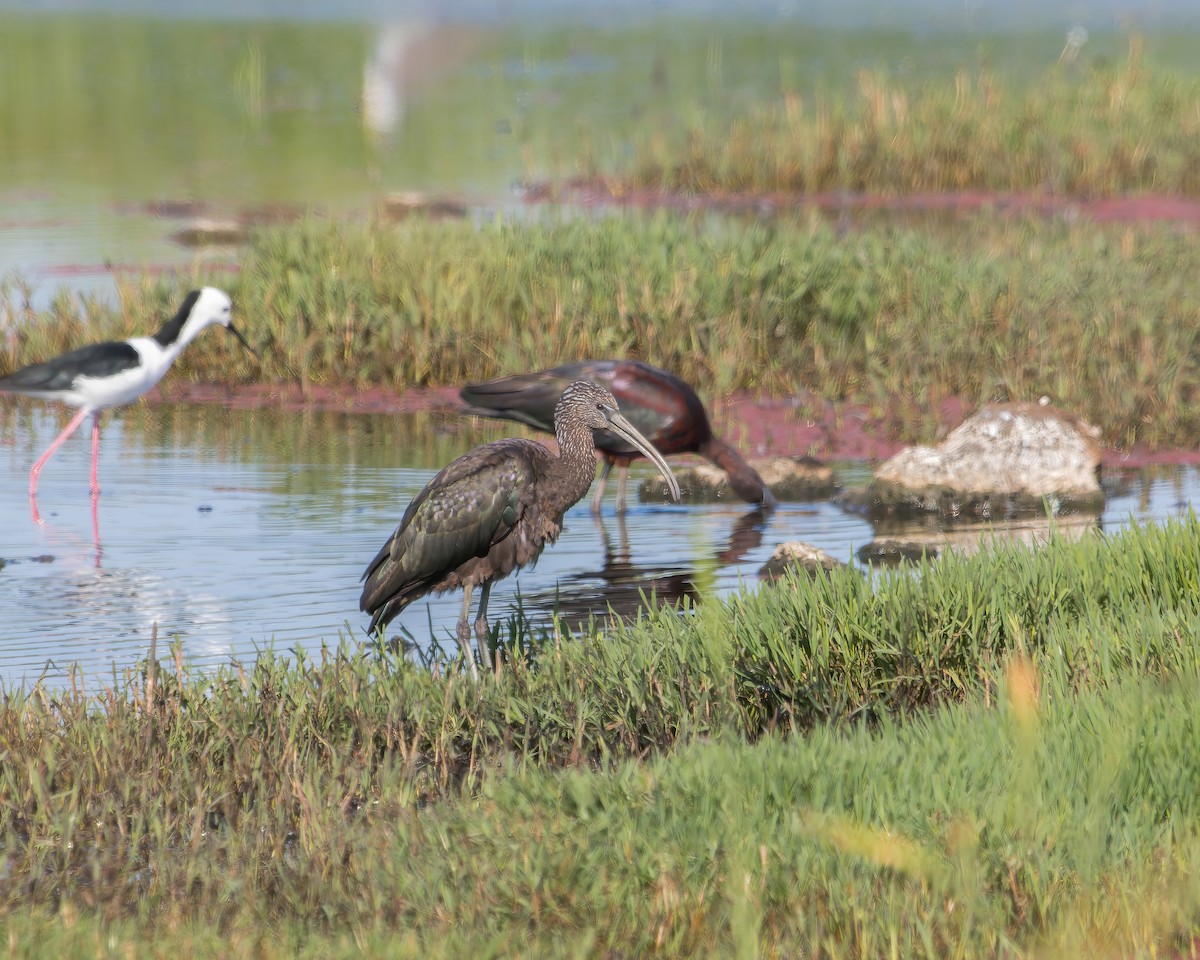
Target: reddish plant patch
1130, 209
760, 426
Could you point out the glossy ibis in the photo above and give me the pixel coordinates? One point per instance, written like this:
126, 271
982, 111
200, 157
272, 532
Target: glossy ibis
664, 408
495, 509
113, 373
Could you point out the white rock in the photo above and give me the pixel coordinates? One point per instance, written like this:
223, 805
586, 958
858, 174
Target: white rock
1024, 449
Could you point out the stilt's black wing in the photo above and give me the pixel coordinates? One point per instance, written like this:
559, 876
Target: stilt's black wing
97, 360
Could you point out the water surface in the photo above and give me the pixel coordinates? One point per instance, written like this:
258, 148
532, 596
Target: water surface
121, 123
237, 530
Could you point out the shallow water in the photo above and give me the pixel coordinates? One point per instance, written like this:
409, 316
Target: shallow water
121, 124
235, 530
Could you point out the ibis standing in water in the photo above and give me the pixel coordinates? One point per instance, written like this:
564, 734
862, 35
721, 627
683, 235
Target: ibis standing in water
495, 509
110, 374
664, 408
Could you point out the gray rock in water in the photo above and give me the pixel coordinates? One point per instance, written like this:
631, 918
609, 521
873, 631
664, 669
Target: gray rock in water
398, 206
788, 478
1007, 460
795, 554
208, 232
796, 478
966, 539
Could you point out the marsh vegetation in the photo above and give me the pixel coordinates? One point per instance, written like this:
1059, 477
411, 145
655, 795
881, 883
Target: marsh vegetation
1077, 130
1100, 318
991, 757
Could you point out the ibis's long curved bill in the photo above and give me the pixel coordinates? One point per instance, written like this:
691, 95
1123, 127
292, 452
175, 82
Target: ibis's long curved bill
628, 432
238, 333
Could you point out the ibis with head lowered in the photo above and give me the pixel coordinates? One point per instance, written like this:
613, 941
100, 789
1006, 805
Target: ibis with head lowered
665, 409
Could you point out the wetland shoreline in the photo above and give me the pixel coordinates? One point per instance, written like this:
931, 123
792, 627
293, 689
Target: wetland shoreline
1134, 208
761, 426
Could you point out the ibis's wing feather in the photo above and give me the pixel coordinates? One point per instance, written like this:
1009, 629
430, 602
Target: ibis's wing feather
662, 407
508, 413
528, 398
472, 504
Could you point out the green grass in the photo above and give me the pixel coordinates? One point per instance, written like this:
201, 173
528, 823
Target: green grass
1007, 733
1046, 825
1101, 319
1102, 129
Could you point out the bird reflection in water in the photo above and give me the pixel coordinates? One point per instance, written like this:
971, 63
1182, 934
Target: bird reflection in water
96, 529
621, 587
69, 543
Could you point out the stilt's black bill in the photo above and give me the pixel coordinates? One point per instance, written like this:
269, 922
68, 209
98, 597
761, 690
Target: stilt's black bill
237, 333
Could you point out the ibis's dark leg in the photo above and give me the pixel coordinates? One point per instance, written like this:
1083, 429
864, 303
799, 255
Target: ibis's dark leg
481, 627
604, 472
622, 486
464, 631
623, 536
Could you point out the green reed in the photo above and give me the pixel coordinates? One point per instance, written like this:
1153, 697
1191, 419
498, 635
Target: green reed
1078, 129
1101, 319
1049, 823
361, 795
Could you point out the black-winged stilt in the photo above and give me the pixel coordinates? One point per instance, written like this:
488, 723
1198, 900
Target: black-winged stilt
104, 375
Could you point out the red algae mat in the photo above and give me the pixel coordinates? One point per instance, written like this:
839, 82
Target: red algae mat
757, 425
1121, 209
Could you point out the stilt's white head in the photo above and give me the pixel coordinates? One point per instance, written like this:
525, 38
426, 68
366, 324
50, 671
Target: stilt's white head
200, 308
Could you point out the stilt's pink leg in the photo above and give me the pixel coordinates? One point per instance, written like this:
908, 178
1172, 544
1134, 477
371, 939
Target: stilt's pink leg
96, 525
37, 467
95, 455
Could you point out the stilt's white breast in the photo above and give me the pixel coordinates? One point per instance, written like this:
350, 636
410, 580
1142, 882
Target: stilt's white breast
127, 385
